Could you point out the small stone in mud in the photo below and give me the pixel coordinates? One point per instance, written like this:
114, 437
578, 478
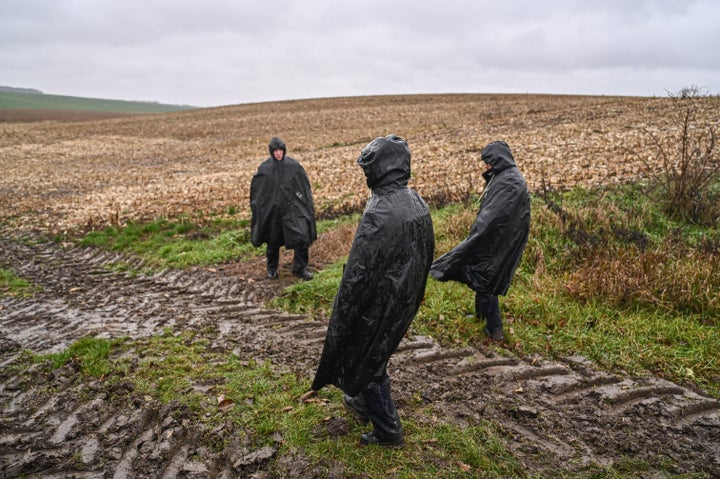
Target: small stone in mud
195, 467
526, 411
255, 457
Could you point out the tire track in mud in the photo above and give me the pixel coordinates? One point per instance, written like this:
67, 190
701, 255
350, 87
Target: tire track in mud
551, 412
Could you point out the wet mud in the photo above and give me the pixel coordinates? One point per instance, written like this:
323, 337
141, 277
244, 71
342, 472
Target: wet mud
553, 413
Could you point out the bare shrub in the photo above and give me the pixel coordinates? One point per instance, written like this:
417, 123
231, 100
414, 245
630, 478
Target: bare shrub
686, 167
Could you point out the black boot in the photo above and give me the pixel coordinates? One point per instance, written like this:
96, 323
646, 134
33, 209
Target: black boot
300, 263
373, 438
272, 254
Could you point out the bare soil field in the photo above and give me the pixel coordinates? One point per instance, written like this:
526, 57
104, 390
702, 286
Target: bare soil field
559, 414
60, 175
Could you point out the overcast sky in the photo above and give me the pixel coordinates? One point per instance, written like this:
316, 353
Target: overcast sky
222, 52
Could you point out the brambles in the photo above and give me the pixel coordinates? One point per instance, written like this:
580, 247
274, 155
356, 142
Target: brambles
686, 168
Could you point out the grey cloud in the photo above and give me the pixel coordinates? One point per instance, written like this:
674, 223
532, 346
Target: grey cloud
278, 49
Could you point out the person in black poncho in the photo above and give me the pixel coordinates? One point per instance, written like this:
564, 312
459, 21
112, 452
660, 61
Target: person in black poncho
487, 259
282, 208
382, 286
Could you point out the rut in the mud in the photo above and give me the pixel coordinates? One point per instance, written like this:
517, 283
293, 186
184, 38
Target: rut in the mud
553, 412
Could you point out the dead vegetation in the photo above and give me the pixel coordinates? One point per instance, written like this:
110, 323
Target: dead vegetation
63, 175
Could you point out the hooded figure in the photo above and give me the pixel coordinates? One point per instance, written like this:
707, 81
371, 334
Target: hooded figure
382, 286
486, 260
282, 208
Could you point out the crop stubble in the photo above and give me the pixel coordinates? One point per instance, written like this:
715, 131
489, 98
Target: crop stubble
63, 175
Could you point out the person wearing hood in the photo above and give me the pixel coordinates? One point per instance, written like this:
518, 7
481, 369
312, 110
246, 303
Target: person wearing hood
382, 286
283, 213
487, 259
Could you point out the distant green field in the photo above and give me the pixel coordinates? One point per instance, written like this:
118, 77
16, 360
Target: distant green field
37, 101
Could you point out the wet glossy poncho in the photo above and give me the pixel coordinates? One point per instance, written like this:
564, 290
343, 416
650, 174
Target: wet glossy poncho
486, 260
384, 279
281, 202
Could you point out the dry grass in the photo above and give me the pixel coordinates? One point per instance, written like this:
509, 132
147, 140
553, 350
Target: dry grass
682, 283
60, 176
332, 245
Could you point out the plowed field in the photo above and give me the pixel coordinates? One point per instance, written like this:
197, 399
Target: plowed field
559, 414
62, 175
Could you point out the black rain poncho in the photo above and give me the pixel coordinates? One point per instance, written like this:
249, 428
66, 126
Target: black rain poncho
384, 279
486, 260
284, 215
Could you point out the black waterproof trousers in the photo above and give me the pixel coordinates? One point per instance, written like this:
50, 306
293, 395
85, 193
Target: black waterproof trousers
301, 254
381, 409
487, 307
301, 257
376, 403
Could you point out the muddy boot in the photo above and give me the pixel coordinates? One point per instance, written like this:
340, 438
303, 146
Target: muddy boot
384, 417
373, 438
495, 334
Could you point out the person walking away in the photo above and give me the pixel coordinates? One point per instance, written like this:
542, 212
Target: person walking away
487, 259
283, 213
380, 292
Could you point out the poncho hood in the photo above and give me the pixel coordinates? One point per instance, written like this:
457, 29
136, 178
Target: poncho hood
498, 155
386, 161
275, 144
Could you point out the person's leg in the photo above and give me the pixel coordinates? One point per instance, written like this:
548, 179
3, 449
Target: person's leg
301, 257
357, 405
275, 241
487, 307
387, 430
272, 254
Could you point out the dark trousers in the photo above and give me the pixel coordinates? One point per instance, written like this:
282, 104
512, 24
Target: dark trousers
381, 408
301, 257
376, 404
487, 307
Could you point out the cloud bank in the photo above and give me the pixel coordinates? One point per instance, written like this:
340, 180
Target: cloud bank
208, 53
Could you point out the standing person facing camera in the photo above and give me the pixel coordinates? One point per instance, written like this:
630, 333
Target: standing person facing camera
283, 213
487, 259
382, 286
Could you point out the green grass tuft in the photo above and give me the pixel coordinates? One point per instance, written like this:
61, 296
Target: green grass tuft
91, 354
12, 285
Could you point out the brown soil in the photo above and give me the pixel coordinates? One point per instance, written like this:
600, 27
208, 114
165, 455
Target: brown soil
560, 414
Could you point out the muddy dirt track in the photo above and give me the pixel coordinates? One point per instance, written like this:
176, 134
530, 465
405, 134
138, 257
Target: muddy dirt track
559, 414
